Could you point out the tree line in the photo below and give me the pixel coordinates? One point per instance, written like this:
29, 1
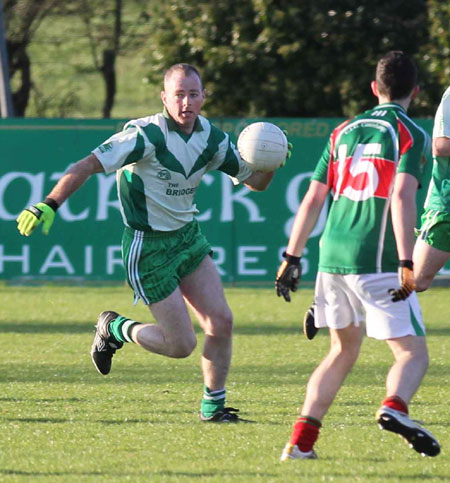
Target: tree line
300, 58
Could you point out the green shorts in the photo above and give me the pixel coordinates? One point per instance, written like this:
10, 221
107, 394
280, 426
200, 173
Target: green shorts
435, 229
155, 262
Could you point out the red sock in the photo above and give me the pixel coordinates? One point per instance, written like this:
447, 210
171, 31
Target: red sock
305, 432
396, 403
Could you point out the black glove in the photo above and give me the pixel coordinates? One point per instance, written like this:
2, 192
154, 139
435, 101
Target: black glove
406, 281
288, 276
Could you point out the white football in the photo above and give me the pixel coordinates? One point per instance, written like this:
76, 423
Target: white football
263, 146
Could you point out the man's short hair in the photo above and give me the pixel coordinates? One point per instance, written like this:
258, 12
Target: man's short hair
188, 69
396, 75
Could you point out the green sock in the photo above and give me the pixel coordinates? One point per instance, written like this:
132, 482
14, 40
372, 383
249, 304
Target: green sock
120, 329
213, 401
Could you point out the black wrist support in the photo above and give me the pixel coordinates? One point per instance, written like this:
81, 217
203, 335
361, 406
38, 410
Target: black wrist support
406, 263
291, 258
52, 203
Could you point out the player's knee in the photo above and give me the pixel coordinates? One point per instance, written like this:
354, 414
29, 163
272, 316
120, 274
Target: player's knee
348, 353
222, 325
417, 353
184, 348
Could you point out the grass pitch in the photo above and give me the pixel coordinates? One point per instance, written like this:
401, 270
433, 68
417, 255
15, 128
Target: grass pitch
62, 421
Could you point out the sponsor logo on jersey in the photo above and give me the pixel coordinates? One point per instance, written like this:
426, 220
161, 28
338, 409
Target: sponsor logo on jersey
164, 174
105, 147
180, 192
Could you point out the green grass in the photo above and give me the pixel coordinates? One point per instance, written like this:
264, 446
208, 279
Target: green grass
61, 421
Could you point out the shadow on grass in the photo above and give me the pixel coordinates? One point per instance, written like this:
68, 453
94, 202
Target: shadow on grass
52, 473
173, 372
164, 417
41, 400
445, 331
153, 372
77, 375
63, 327
23, 327
190, 419
242, 475
78, 420
203, 474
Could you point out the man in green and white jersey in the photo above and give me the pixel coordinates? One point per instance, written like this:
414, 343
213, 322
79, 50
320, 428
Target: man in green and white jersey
159, 162
371, 168
432, 249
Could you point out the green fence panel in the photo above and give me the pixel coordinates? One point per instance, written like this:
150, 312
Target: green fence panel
248, 230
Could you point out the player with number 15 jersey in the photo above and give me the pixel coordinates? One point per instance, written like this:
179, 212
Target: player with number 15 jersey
359, 164
371, 169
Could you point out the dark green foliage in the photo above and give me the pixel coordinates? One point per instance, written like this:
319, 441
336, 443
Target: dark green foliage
258, 57
278, 58
436, 54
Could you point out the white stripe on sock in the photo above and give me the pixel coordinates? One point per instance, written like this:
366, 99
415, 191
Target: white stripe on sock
125, 327
215, 395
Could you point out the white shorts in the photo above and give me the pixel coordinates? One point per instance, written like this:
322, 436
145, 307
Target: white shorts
344, 299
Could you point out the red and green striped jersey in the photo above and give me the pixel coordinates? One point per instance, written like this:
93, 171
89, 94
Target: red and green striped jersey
359, 165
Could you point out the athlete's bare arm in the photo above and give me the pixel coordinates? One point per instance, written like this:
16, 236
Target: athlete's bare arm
75, 176
307, 216
441, 146
403, 210
259, 181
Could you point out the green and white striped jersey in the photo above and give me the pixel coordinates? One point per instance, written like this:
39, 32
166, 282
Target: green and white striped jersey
438, 197
159, 168
359, 165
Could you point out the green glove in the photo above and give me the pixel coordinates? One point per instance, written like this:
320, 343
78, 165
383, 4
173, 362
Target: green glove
34, 215
289, 152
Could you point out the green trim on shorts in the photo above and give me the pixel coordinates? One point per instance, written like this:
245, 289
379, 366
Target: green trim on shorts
415, 323
435, 229
155, 262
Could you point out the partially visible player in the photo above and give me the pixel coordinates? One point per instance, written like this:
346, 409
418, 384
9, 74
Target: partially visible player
159, 162
372, 166
432, 249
